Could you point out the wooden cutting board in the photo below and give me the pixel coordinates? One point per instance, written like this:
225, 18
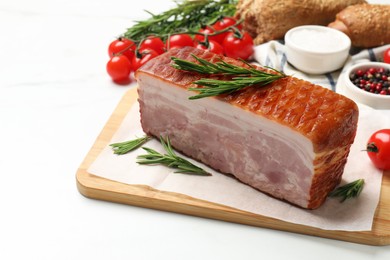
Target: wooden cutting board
95, 187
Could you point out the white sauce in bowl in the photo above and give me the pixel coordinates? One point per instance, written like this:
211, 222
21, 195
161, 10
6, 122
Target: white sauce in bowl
316, 49
317, 40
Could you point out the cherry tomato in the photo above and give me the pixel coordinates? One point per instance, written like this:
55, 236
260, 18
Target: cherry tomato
119, 68
179, 40
386, 56
205, 30
142, 57
378, 149
238, 48
223, 24
154, 43
122, 46
213, 46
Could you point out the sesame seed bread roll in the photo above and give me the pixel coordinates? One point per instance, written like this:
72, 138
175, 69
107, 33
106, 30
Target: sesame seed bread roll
267, 20
367, 25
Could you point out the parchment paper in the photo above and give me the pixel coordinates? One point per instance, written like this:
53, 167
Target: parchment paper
352, 215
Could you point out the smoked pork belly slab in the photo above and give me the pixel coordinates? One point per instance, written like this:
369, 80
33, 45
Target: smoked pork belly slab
289, 139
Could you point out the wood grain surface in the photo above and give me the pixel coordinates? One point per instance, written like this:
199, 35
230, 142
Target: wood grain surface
95, 187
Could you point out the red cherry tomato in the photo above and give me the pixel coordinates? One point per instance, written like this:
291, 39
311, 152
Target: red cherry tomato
142, 57
223, 24
179, 40
238, 48
122, 46
378, 149
386, 56
213, 46
154, 43
119, 68
205, 30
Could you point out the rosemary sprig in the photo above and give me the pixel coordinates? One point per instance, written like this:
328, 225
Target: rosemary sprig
243, 77
125, 147
347, 191
189, 15
170, 159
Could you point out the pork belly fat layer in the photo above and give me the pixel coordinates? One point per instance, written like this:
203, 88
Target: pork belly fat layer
257, 151
290, 139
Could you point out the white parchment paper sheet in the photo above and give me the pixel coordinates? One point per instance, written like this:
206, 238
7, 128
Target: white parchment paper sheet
352, 215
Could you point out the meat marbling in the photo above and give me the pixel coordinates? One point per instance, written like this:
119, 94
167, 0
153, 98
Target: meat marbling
289, 139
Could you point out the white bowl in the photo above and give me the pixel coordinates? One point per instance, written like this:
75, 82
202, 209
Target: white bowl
373, 100
316, 49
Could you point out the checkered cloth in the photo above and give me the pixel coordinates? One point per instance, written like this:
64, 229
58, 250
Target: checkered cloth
273, 54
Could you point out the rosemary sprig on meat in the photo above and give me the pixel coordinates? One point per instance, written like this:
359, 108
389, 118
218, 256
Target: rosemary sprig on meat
125, 147
242, 76
170, 159
189, 15
347, 191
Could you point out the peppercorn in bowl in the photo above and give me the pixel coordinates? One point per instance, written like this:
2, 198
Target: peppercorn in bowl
369, 83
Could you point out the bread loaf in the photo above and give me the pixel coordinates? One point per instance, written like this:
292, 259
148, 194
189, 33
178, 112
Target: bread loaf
267, 20
367, 25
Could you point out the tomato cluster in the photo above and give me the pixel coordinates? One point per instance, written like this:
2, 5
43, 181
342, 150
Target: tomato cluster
225, 37
126, 56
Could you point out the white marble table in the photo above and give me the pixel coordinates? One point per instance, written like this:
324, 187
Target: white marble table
55, 98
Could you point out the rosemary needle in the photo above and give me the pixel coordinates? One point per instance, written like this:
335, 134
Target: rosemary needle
242, 77
170, 159
188, 15
350, 190
125, 147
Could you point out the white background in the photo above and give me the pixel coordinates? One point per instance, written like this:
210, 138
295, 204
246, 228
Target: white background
55, 97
